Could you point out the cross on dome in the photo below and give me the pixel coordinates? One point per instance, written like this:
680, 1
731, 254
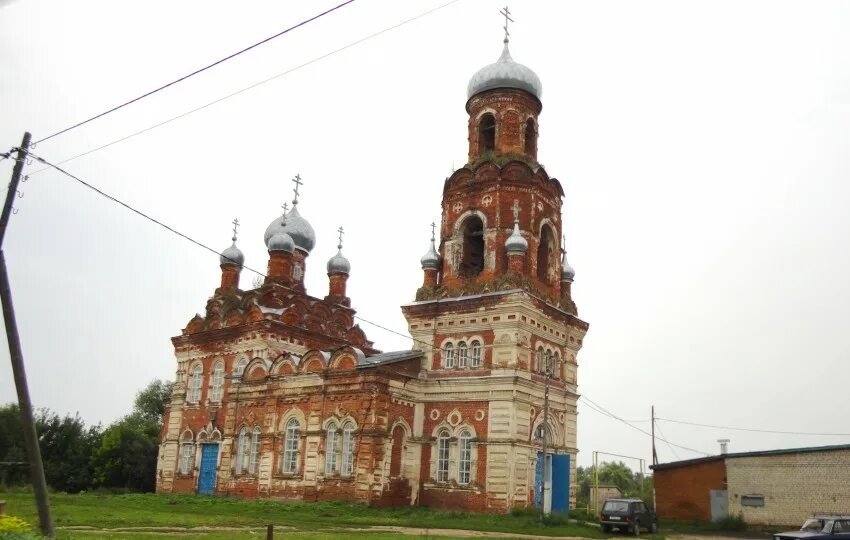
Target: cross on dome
298, 183
507, 14
341, 232
235, 227
433, 230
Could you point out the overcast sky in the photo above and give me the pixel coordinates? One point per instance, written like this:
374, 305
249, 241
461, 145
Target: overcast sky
703, 148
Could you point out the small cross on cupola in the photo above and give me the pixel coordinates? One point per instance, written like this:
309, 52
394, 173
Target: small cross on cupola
298, 183
507, 14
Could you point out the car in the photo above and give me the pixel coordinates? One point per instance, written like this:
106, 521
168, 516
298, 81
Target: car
820, 527
630, 515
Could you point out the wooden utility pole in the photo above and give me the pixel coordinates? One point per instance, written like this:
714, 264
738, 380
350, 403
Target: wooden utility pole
545, 434
654, 455
17, 357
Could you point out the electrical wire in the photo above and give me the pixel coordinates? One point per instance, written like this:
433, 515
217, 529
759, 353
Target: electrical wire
600, 409
663, 438
252, 86
196, 72
754, 430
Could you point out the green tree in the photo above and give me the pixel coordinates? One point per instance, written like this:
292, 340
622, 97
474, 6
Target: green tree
12, 446
66, 447
127, 453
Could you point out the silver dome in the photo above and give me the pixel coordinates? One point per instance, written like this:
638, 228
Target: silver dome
280, 241
505, 73
297, 227
338, 264
516, 244
567, 272
232, 255
431, 259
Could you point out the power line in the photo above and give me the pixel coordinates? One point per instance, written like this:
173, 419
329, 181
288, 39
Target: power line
600, 409
673, 450
755, 430
252, 86
197, 71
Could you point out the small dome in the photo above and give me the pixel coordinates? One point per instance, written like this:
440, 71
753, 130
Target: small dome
232, 255
516, 244
505, 73
338, 264
298, 228
281, 241
431, 259
567, 272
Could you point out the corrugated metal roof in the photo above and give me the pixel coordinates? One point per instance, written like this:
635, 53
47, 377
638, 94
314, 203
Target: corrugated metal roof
757, 453
387, 358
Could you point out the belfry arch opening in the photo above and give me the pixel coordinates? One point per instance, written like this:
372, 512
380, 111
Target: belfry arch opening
472, 261
530, 137
545, 253
487, 133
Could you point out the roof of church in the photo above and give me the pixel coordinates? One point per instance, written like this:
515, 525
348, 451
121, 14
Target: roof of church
388, 358
505, 73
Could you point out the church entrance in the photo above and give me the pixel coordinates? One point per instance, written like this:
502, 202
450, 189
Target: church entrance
207, 474
555, 492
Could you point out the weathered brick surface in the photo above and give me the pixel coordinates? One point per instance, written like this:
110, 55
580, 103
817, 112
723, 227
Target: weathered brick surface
683, 492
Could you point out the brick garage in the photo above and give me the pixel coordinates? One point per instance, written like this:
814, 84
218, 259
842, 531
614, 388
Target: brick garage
769, 488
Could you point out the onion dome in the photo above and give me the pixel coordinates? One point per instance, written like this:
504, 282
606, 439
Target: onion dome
338, 264
505, 73
516, 244
298, 228
232, 255
281, 241
431, 259
567, 272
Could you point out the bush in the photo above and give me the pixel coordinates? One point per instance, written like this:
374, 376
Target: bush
11, 524
583, 514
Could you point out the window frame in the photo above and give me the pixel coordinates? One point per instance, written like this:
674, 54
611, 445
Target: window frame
347, 450
475, 346
462, 355
196, 380
217, 382
291, 447
449, 352
330, 449
443, 448
464, 461
241, 450
187, 457
254, 456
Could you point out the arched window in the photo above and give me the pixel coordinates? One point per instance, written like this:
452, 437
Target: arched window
330, 449
540, 360
347, 449
461, 354
464, 457
556, 365
545, 252
530, 137
443, 456
217, 381
449, 362
255, 451
187, 453
472, 261
239, 368
243, 447
291, 443
195, 384
486, 133
476, 353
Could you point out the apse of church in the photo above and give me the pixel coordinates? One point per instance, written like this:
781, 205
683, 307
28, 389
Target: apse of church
280, 394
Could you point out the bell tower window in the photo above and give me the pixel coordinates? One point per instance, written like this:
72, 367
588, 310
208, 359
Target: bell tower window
472, 261
487, 133
530, 137
545, 253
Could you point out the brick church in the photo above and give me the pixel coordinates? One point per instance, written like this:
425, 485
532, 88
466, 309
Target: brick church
280, 394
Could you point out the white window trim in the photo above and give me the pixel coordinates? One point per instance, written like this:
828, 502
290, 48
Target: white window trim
253, 458
330, 449
291, 445
196, 380
217, 381
347, 468
449, 351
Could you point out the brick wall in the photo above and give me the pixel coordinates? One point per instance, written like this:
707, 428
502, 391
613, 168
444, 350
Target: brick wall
793, 485
682, 493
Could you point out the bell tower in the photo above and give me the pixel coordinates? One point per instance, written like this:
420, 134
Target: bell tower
494, 317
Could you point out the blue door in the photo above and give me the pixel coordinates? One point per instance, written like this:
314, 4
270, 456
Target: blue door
561, 483
209, 460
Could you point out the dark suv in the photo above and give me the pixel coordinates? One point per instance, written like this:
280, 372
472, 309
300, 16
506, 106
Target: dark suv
820, 527
629, 515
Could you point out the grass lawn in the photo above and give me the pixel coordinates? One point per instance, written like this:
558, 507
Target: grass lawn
107, 511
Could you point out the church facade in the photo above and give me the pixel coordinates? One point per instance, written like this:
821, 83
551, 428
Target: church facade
280, 394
